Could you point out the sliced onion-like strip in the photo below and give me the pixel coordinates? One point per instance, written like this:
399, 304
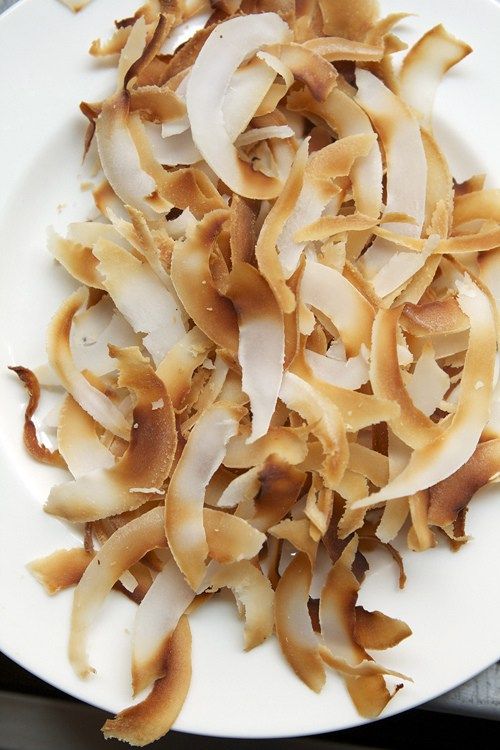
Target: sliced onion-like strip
36, 449
351, 373
450, 496
61, 569
99, 406
286, 442
141, 298
225, 49
253, 594
402, 142
324, 420
150, 719
194, 283
78, 441
177, 367
294, 630
424, 66
122, 550
145, 464
156, 619
261, 350
446, 453
329, 291
119, 158
201, 457
243, 488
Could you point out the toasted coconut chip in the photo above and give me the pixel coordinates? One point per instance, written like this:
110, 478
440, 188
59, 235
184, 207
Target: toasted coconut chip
467, 243
328, 226
132, 50
130, 282
254, 596
201, 457
478, 204
229, 538
307, 66
349, 373
155, 621
334, 49
439, 185
371, 464
78, 442
162, 29
327, 290
450, 496
61, 569
210, 392
261, 350
61, 360
352, 21
295, 633
76, 258
254, 135
420, 537
437, 317
411, 424
144, 465
378, 631
318, 510
119, 157
124, 548
403, 148
287, 442
370, 694
281, 484
194, 283
177, 367
297, 533
225, 49
154, 248
248, 87
273, 226
174, 149
345, 117
424, 66
243, 488
159, 104
392, 521
324, 420
152, 718
36, 449
446, 453
242, 230
428, 384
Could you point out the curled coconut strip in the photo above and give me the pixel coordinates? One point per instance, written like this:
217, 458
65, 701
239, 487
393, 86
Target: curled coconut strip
61, 569
36, 449
446, 453
201, 457
149, 720
261, 350
99, 406
294, 630
374, 630
297, 532
78, 441
288, 443
145, 464
349, 373
225, 49
177, 367
424, 66
243, 488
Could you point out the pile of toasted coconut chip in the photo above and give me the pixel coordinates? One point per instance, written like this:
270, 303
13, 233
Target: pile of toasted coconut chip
281, 353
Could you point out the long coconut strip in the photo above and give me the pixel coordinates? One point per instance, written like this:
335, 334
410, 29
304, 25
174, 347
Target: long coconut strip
456, 444
243, 488
141, 297
78, 441
242, 230
152, 718
308, 67
61, 360
479, 204
132, 50
401, 139
222, 53
177, 367
330, 292
481, 242
254, 595
439, 185
424, 66
335, 49
201, 457
346, 118
411, 425
351, 373
324, 420
420, 537
145, 464
296, 636
61, 569
297, 532
36, 449
280, 485
371, 464
266, 248
194, 283
122, 550
261, 350
287, 442
450, 496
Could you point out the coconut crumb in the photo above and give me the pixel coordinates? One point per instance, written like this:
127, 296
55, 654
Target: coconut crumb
478, 385
157, 404
147, 490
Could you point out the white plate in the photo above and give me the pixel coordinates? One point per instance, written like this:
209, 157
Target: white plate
451, 601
